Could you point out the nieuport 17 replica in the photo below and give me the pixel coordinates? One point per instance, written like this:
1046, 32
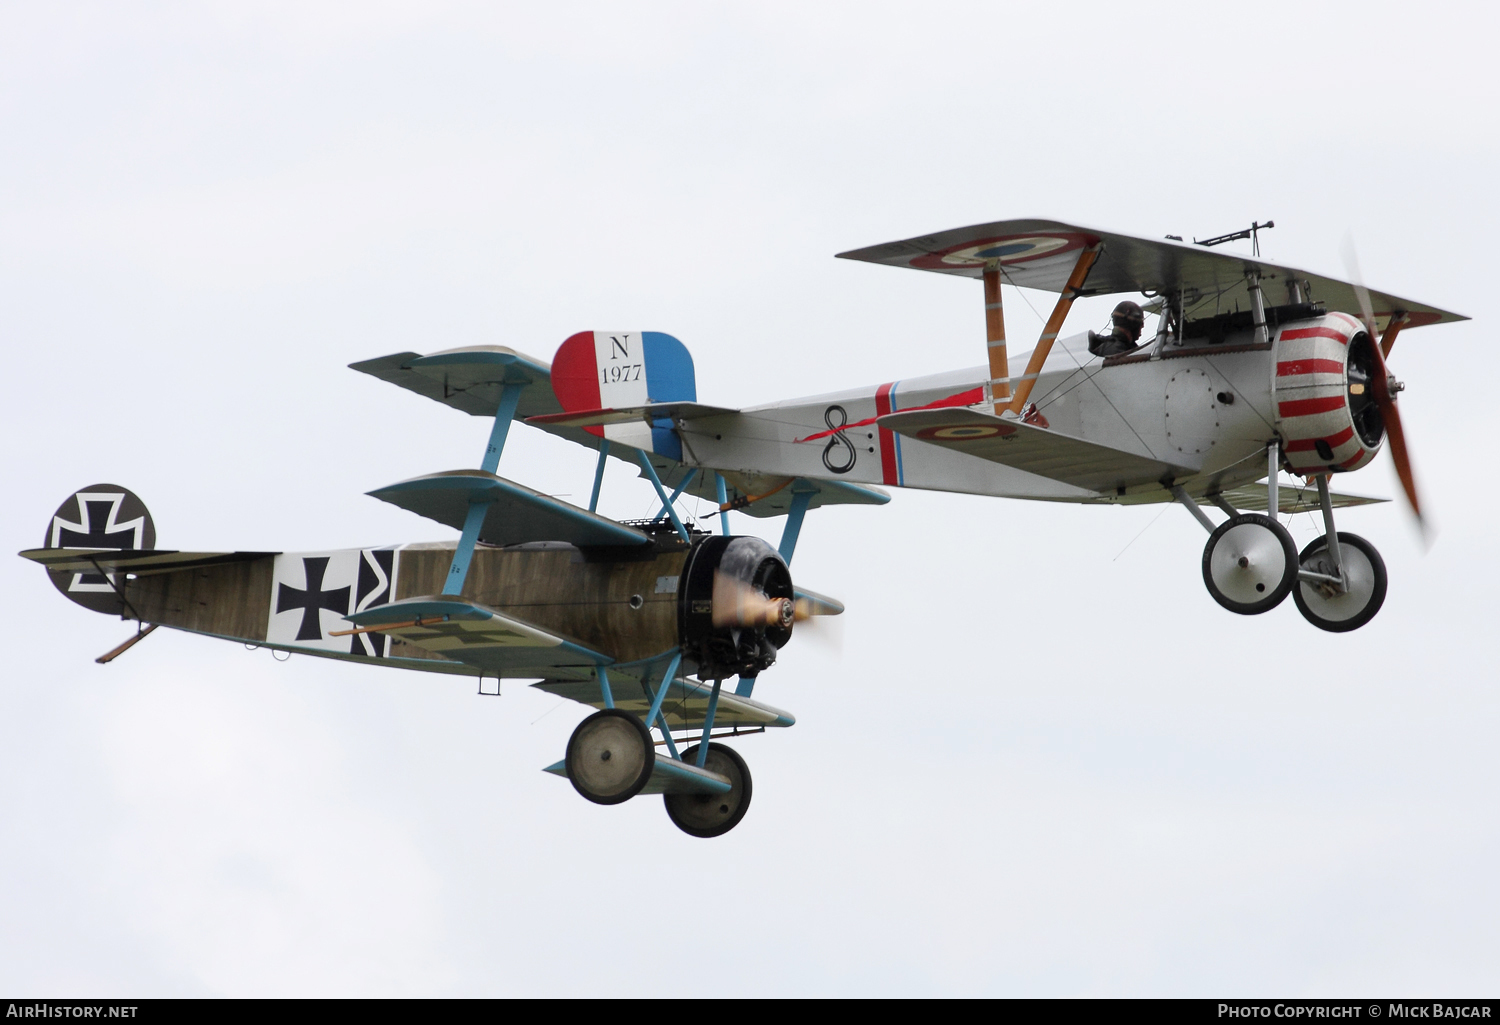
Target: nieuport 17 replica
1255, 369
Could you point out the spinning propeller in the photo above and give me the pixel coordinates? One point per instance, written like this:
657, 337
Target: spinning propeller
1385, 387
738, 604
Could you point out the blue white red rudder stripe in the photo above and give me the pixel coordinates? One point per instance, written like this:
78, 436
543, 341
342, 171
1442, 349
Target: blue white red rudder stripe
600, 370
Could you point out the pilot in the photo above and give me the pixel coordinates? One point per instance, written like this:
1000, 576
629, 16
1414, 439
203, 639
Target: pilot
1126, 336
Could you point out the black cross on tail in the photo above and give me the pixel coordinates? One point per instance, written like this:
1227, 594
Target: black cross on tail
99, 528
313, 599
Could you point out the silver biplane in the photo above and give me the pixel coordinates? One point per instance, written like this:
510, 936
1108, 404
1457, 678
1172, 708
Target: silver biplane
1255, 369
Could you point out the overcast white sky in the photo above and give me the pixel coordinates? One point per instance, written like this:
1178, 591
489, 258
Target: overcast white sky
1045, 761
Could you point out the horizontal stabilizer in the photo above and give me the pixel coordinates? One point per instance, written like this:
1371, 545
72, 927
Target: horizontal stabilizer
1083, 464
1041, 254
141, 562
1291, 498
470, 379
670, 776
516, 513
490, 641
647, 414
685, 705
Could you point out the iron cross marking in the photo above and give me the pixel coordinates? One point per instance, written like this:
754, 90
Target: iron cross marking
98, 532
312, 599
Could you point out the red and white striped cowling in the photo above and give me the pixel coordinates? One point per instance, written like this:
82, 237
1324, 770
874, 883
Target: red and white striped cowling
1311, 393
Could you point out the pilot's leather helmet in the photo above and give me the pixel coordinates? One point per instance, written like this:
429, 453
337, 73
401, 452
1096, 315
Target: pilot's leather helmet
1129, 319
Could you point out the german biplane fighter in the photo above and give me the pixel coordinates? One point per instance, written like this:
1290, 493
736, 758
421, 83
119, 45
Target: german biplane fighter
620, 616
1255, 369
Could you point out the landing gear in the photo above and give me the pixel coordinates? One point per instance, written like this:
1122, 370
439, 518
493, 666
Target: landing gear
708, 815
610, 756
1249, 564
1322, 602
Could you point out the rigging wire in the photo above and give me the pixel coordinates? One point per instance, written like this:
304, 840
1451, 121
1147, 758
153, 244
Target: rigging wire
1164, 508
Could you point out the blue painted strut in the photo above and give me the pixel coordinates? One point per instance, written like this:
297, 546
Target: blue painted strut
609, 695
745, 687
723, 501
510, 396
655, 715
661, 493
599, 475
708, 722
794, 516
678, 492
666, 735
458, 569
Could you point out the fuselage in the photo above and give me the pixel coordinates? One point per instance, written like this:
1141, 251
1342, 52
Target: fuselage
1210, 403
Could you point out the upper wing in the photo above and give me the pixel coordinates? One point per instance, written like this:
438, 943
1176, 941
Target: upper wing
1041, 254
470, 379
1083, 464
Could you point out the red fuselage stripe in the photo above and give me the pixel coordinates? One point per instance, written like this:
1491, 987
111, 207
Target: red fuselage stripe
963, 398
1310, 407
887, 439
1308, 444
1314, 332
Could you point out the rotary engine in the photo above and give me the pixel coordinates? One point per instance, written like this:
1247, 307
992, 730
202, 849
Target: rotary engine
735, 606
1326, 410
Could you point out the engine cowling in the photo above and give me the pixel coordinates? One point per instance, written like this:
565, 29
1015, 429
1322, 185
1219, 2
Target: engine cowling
746, 564
1325, 404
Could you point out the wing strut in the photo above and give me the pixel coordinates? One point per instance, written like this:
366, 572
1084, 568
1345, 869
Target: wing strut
994, 335
1054, 326
1392, 328
458, 569
661, 493
801, 498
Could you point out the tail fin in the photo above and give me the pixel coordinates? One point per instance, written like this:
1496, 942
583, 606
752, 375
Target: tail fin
623, 370
104, 516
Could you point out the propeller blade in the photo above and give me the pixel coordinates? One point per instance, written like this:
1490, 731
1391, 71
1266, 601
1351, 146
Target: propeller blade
737, 603
1391, 414
1384, 399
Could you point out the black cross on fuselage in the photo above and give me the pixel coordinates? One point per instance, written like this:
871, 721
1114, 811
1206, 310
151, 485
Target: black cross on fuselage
312, 599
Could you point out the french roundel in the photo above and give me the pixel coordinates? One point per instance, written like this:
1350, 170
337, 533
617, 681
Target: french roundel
965, 432
1006, 249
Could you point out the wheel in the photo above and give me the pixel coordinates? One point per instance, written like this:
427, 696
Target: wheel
610, 756
709, 815
1364, 570
1249, 564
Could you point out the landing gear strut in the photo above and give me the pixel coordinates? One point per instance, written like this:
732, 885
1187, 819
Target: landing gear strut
1341, 585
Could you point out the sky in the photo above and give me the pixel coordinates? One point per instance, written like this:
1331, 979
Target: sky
1036, 760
